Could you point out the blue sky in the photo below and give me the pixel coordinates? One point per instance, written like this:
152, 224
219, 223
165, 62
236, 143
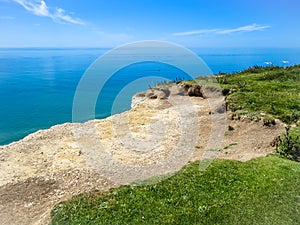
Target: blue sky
107, 23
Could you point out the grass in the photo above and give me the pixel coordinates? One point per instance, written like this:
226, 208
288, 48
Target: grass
271, 90
261, 191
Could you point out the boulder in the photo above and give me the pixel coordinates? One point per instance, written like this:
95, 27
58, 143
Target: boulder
157, 93
195, 90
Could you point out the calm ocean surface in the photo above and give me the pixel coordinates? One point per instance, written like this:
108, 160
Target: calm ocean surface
37, 86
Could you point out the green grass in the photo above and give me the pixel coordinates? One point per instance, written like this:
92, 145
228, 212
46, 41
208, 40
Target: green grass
261, 191
271, 90
210, 81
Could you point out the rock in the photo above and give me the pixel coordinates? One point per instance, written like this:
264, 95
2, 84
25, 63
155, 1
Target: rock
157, 93
195, 90
184, 86
221, 109
140, 95
178, 89
190, 90
137, 98
212, 92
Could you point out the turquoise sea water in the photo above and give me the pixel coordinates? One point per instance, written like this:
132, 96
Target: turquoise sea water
37, 86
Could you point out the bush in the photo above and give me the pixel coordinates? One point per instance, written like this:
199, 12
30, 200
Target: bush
288, 145
225, 91
268, 121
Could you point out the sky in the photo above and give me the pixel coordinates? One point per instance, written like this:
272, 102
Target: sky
109, 23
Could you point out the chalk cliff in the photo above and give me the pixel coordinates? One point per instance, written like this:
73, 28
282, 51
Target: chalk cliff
162, 132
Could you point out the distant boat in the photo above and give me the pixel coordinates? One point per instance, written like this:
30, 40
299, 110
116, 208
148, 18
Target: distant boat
269, 63
285, 61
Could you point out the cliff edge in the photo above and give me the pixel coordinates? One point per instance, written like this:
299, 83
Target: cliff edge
165, 129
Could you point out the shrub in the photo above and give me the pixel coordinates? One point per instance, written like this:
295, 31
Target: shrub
225, 91
269, 121
288, 145
230, 128
242, 85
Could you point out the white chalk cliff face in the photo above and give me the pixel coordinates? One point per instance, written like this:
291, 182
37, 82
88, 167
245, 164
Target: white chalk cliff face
159, 135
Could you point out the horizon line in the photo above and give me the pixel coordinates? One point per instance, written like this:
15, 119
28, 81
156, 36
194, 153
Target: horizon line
111, 47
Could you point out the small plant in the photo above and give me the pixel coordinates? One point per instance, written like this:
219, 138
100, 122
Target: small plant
254, 69
269, 121
288, 145
222, 80
230, 128
225, 91
228, 146
242, 85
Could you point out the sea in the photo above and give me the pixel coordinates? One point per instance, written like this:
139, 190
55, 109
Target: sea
38, 85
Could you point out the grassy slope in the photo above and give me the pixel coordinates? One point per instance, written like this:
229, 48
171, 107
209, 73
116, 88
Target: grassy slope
272, 90
261, 191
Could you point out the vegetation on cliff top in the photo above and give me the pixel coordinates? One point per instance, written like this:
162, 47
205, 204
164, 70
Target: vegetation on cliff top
267, 93
271, 90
